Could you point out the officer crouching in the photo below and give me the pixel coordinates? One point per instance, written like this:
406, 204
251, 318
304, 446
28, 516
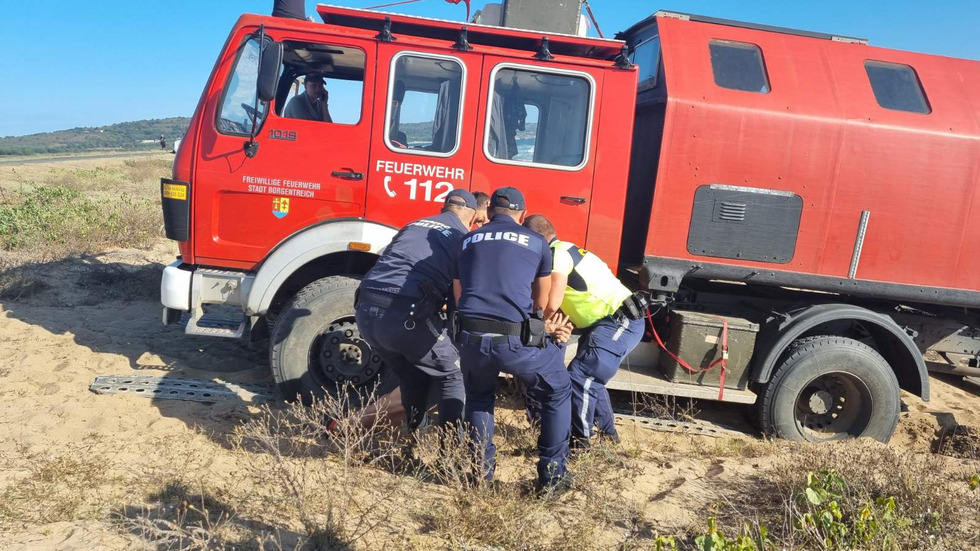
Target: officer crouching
398, 309
504, 277
611, 316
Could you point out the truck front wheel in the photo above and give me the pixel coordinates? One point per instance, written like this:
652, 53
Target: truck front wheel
829, 388
315, 347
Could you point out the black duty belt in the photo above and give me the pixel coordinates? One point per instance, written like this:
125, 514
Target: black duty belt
385, 300
530, 332
472, 338
489, 326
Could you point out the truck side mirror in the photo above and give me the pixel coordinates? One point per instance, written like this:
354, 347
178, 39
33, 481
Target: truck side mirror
269, 62
270, 58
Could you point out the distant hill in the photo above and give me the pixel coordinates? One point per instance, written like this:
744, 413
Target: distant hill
125, 136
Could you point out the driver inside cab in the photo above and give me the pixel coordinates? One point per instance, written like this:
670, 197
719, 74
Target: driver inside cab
311, 104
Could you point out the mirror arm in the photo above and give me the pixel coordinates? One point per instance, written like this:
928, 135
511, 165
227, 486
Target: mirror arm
251, 146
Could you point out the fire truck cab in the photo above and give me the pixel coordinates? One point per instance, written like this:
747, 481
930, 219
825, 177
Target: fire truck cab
415, 108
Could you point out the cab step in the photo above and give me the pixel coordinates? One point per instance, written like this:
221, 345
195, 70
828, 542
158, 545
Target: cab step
214, 326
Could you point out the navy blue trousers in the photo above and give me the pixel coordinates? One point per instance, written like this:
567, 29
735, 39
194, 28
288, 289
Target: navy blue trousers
598, 357
605, 419
422, 355
543, 374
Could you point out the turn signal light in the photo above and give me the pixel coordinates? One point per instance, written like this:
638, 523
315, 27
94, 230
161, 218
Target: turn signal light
359, 246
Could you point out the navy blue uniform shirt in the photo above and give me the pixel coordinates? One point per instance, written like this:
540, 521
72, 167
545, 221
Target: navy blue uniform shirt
497, 264
424, 250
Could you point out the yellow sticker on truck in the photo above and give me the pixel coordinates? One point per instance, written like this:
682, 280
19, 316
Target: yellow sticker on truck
175, 191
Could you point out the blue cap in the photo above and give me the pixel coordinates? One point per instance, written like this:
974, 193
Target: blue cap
462, 198
508, 197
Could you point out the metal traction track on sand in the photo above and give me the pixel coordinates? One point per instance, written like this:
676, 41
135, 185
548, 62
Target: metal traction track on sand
179, 388
199, 390
702, 428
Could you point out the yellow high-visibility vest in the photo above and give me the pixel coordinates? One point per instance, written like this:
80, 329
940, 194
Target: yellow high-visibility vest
593, 292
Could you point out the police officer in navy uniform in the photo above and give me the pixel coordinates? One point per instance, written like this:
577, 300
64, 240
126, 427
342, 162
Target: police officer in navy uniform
504, 276
398, 309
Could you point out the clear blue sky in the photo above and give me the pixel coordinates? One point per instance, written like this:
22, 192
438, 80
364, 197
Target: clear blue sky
94, 63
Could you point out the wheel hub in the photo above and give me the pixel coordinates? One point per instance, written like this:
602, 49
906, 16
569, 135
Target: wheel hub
832, 406
344, 357
820, 402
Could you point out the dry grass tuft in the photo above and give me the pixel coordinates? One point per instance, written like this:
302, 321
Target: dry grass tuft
139, 176
668, 408
147, 169
16, 282
470, 513
176, 517
120, 281
958, 441
72, 485
342, 485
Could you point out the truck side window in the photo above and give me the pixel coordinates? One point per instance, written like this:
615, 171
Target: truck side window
738, 66
897, 87
539, 117
425, 98
647, 56
336, 90
238, 104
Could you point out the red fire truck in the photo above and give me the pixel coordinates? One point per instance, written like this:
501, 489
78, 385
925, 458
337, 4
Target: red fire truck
798, 203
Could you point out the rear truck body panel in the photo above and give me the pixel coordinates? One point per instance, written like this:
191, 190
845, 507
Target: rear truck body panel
818, 138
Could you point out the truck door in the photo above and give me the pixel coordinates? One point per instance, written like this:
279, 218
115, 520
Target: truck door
311, 158
536, 133
426, 104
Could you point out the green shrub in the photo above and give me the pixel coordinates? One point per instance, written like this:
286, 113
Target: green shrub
58, 219
827, 518
715, 540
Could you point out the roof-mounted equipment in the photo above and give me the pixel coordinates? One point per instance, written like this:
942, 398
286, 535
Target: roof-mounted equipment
544, 53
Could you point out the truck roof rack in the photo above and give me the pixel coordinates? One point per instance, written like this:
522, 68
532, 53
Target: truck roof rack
487, 35
741, 24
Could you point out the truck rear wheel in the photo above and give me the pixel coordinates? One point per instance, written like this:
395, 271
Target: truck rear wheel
829, 388
316, 349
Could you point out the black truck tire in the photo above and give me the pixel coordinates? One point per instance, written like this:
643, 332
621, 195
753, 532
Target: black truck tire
829, 388
315, 347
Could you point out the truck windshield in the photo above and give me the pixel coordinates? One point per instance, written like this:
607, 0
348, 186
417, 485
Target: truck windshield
238, 107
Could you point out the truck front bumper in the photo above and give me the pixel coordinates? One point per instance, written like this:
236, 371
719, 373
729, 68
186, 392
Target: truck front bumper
175, 286
188, 288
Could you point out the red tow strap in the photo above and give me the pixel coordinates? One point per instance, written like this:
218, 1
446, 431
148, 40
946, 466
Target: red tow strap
722, 361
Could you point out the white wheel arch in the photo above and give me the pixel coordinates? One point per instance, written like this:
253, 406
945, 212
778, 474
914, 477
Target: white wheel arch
299, 249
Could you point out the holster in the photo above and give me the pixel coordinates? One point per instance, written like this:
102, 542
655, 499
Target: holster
430, 303
455, 320
533, 333
635, 306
